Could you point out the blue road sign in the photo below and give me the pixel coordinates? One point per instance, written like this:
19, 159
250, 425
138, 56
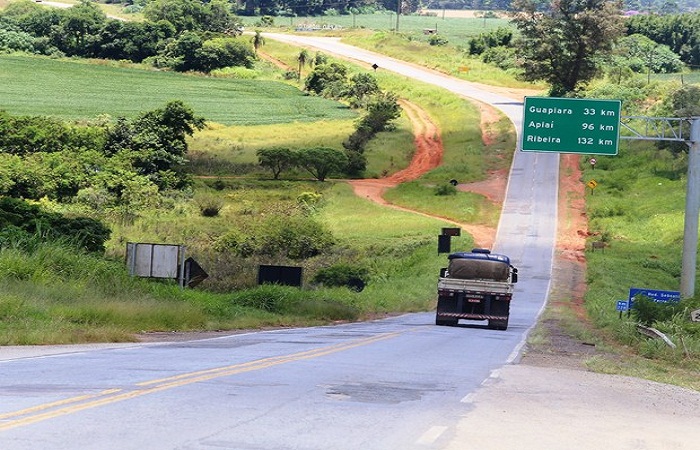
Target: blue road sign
656, 295
622, 305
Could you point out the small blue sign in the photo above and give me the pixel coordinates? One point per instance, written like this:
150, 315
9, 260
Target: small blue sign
622, 305
656, 295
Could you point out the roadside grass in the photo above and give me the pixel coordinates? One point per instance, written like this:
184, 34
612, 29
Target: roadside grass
463, 207
74, 89
55, 295
231, 150
637, 209
453, 60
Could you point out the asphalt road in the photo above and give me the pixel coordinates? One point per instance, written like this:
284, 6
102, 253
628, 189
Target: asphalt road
399, 383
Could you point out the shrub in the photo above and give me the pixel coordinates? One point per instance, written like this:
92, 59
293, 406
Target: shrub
445, 189
354, 277
290, 75
82, 232
309, 202
501, 57
609, 209
297, 237
646, 311
209, 205
437, 40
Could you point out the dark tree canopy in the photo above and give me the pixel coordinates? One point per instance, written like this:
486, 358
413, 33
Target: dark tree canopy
563, 44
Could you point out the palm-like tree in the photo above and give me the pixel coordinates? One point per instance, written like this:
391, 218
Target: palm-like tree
303, 59
257, 40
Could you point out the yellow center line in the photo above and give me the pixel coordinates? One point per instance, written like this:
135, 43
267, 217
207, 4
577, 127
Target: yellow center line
75, 404
24, 412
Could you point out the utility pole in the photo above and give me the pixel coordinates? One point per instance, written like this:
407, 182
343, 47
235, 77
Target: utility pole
674, 129
692, 210
398, 13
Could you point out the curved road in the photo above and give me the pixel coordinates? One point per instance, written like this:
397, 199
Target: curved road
400, 383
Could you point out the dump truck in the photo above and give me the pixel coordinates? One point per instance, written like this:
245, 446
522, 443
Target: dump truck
476, 285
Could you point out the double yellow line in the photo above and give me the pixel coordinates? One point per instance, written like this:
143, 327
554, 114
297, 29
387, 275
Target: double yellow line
72, 405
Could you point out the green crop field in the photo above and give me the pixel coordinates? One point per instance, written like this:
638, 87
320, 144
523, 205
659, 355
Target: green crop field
456, 29
74, 90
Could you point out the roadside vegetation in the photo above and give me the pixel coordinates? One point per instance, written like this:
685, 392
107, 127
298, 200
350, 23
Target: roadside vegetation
232, 219
228, 173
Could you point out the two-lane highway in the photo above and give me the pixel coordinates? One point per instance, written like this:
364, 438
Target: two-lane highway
400, 383
393, 384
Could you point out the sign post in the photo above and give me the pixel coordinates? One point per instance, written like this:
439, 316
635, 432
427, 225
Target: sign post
570, 125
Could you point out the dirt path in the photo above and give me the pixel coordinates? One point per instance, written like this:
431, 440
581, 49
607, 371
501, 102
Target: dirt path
428, 156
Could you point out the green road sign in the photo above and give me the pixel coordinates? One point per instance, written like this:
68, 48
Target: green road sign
571, 125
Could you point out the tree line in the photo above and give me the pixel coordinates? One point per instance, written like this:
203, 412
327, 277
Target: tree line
104, 165
568, 43
182, 35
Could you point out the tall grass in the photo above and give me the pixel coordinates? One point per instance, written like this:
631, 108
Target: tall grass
637, 208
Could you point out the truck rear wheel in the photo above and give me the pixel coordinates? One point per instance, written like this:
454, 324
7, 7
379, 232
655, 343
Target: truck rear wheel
445, 322
498, 324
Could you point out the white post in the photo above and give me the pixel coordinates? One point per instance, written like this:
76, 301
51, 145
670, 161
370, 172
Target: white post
692, 210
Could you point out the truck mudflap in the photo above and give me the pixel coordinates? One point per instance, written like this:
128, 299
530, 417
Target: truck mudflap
471, 316
452, 319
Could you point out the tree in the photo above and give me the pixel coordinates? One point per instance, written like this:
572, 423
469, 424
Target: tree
78, 29
362, 86
682, 102
155, 143
564, 44
277, 159
182, 53
223, 52
185, 15
381, 110
327, 77
641, 53
321, 161
257, 40
302, 59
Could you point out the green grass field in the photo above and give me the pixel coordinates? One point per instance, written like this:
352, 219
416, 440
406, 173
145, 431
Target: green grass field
74, 90
457, 30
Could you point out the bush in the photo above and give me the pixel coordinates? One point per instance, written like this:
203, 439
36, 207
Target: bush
209, 205
445, 189
297, 237
354, 277
646, 311
437, 40
501, 57
83, 232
